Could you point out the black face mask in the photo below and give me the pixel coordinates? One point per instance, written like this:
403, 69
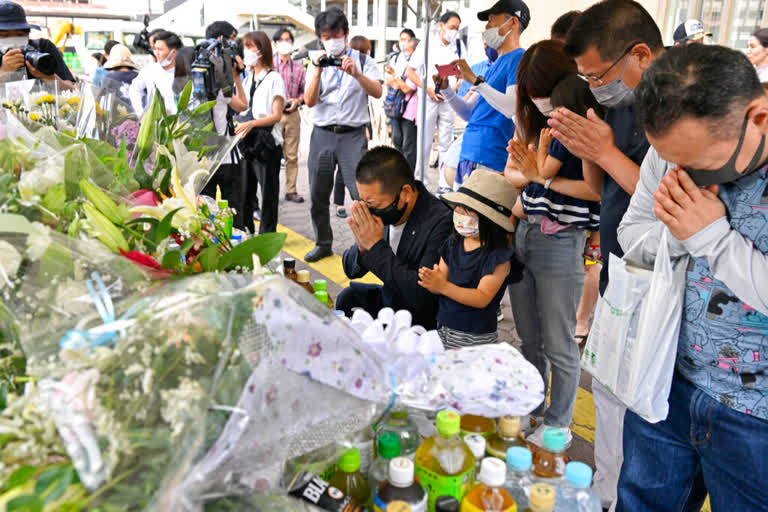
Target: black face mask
391, 214
728, 172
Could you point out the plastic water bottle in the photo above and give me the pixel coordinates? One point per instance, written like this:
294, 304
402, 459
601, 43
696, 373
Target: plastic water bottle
519, 477
575, 494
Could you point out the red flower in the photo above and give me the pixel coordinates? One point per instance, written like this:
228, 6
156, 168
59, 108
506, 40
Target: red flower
148, 262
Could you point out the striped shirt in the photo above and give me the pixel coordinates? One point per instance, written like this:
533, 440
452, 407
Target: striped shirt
452, 338
557, 207
294, 77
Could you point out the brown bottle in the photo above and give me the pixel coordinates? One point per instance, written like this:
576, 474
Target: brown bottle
289, 269
302, 277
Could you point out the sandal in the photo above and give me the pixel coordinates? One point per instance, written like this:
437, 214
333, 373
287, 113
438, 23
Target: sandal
581, 338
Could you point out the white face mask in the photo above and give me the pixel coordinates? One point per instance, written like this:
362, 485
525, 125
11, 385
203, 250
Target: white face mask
451, 36
284, 47
169, 60
493, 38
9, 43
544, 105
335, 47
250, 57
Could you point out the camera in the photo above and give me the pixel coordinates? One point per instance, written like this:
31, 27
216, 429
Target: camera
327, 61
43, 62
212, 68
141, 40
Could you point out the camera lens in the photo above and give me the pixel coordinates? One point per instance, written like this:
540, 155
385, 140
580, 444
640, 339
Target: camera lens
44, 62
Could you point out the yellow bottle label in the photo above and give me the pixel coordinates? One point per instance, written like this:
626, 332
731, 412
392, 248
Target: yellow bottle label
438, 485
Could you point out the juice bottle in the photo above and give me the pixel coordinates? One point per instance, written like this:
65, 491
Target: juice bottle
507, 435
476, 443
519, 476
348, 478
289, 269
471, 424
549, 462
447, 504
321, 285
400, 486
489, 495
302, 277
445, 465
542, 498
399, 423
389, 448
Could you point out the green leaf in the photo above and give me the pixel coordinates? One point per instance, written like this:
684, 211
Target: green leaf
204, 108
172, 260
26, 503
209, 259
184, 97
55, 261
265, 246
21, 476
53, 483
163, 230
187, 245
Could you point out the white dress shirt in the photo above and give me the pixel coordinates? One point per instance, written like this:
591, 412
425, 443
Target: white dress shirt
439, 55
269, 85
152, 77
342, 99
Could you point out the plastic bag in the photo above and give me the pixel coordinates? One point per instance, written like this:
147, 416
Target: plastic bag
632, 345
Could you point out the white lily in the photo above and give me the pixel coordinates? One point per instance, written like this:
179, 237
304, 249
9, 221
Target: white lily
10, 261
184, 197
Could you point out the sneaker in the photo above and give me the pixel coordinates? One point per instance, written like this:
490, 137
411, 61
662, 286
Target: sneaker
529, 423
537, 437
499, 315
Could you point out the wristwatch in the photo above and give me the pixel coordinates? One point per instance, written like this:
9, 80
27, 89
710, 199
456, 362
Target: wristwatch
547, 183
479, 80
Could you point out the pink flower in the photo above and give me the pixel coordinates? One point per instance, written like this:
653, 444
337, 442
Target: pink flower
143, 198
314, 350
271, 395
359, 383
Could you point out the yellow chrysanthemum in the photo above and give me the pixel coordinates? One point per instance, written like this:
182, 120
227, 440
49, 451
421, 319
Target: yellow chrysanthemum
48, 98
74, 100
34, 117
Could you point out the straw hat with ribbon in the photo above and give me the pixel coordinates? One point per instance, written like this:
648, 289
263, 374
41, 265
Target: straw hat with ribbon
489, 194
120, 56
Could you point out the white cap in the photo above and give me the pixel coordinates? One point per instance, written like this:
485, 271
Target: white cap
476, 444
401, 472
493, 472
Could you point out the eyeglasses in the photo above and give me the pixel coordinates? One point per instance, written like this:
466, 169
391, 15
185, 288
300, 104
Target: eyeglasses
599, 79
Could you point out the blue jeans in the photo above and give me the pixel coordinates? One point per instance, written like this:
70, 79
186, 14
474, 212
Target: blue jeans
544, 304
703, 446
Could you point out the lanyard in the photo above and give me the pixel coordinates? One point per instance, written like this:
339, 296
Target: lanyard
340, 73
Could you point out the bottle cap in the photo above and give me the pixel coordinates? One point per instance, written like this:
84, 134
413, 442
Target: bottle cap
289, 263
446, 504
302, 276
542, 496
389, 445
476, 444
398, 506
519, 458
398, 415
321, 285
222, 204
448, 423
350, 461
509, 426
322, 297
578, 474
493, 472
401, 472
338, 313
554, 439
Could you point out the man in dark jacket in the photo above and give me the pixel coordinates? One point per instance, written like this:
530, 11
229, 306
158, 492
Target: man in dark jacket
398, 227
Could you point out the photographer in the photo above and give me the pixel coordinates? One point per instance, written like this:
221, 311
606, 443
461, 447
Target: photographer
158, 76
224, 31
341, 79
39, 57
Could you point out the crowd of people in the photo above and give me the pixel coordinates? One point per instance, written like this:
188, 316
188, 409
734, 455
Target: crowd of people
575, 149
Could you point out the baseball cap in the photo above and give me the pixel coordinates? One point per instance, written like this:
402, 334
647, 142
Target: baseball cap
516, 8
13, 17
691, 29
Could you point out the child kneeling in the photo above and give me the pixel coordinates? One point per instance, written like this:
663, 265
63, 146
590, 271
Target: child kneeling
474, 262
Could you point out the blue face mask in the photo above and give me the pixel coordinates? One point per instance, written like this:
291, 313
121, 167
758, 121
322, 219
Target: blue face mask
492, 54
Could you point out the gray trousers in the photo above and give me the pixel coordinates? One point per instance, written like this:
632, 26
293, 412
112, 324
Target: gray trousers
326, 151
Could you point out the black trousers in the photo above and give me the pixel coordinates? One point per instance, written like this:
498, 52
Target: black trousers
267, 174
360, 295
339, 190
231, 179
404, 139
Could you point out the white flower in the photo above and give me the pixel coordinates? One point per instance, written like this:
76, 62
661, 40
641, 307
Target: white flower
38, 241
10, 261
37, 181
181, 404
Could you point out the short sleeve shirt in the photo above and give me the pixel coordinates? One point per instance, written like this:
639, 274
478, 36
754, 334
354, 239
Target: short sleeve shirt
342, 99
269, 85
439, 55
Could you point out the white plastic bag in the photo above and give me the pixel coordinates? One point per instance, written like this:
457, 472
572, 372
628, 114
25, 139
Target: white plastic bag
633, 341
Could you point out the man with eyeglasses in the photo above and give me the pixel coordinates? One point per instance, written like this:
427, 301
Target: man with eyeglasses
613, 42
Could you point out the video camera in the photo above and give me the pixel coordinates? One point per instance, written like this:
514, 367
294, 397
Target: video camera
141, 41
326, 61
212, 67
42, 61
